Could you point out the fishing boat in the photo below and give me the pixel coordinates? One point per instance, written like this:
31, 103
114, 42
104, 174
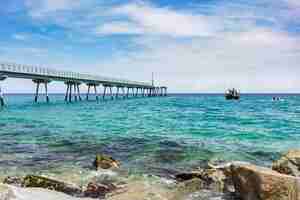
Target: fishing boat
232, 94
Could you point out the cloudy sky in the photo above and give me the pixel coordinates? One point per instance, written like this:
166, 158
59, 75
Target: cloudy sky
191, 46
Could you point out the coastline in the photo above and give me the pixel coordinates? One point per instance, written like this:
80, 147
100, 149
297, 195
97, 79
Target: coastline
224, 181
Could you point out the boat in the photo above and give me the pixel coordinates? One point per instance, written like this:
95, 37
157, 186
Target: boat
232, 94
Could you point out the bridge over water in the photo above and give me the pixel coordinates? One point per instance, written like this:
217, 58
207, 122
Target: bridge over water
43, 76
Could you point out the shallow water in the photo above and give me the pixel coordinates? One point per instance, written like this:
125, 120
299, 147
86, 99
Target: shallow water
153, 135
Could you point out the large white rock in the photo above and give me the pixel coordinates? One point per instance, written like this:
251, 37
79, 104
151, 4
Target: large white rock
8, 192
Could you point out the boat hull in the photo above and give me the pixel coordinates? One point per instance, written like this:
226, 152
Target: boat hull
230, 97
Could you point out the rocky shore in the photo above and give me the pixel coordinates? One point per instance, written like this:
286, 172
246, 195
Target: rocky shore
226, 181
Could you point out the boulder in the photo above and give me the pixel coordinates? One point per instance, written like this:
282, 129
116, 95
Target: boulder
288, 164
185, 176
257, 183
13, 180
190, 186
212, 179
9, 192
51, 184
105, 162
6, 193
95, 190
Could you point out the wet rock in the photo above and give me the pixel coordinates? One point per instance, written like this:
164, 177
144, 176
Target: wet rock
257, 183
95, 190
288, 164
51, 184
105, 162
141, 190
212, 179
190, 186
13, 180
188, 175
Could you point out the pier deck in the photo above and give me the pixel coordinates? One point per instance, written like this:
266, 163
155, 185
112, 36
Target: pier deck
42, 75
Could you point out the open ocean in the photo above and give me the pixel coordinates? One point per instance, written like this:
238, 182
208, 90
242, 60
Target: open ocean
148, 135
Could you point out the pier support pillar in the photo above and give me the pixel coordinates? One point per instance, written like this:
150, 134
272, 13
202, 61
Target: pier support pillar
1, 98
111, 93
94, 85
137, 92
2, 103
75, 92
95, 90
118, 92
123, 93
144, 92
104, 92
67, 92
78, 91
128, 90
38, 82
88, 92
72, 86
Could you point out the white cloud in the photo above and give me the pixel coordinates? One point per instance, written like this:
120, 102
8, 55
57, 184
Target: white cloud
42, 8
151, 20
252, 61
293, 3
119, 28
20, 36
190, 51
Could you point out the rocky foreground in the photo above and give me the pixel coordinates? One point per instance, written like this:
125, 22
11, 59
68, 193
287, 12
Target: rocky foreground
229, 181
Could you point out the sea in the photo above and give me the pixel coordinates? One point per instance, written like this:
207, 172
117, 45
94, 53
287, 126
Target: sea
152, 135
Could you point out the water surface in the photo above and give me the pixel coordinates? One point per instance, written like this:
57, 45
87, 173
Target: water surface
152, 135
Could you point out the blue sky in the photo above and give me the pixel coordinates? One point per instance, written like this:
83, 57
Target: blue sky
192, 46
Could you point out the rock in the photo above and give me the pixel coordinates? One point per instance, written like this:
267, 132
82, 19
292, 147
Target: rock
95, 190
188, 175
9, 192
289, 163
140, 190
257, 183
13, 180
47, 183
190, 186
105, 162
212, 179
6, 193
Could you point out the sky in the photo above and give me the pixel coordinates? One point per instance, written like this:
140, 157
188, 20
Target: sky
191, 46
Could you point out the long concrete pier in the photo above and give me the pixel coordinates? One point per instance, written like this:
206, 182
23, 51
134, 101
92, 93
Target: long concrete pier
43, 76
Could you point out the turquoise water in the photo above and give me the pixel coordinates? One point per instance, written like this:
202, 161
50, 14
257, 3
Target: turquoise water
154, 135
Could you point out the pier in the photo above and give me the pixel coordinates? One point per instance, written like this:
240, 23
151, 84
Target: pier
42, 77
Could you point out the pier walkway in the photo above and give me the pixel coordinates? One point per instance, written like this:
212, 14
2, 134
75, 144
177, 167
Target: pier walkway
43, 76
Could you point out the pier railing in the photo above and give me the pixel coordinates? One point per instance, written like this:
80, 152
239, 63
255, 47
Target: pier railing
42, 75
65, 75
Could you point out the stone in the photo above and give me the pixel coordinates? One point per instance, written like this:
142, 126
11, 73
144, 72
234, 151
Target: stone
51, 184
212, 179
9, 192
288, 164
140, 190
185, 176
190, 186
13, 180
6, 193
105, 162
95, 190
257, 183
